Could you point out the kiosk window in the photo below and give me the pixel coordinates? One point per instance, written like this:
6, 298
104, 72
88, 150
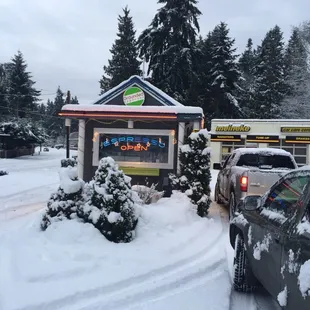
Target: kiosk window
134, 148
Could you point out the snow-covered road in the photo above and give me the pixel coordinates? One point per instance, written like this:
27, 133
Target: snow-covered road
178, 261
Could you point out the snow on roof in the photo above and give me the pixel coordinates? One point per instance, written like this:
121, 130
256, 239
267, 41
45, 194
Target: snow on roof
134, 78
142, 109
246, 120
272, 151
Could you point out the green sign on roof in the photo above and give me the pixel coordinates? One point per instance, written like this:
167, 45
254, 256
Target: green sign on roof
133, 96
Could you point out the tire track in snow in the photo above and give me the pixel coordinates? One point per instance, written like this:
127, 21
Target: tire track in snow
185, 270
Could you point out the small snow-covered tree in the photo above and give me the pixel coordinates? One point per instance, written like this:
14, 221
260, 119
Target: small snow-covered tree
195, 176
111, 203
64, 203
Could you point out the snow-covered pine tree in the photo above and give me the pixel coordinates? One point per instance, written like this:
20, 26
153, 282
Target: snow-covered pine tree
124, 62
297, 100
54, 125
225, 76
247, 64
270, 85
4, 88
111, 203
195, 175
169, 45
23, 97
64, 203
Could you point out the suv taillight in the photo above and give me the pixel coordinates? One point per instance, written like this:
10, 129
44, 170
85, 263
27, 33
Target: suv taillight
244, 184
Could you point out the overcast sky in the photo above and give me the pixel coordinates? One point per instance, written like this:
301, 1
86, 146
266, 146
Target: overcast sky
66, 42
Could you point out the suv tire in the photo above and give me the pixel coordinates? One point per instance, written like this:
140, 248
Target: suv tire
244, 280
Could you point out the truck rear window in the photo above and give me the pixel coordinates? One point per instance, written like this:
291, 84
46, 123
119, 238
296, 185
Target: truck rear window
266, 161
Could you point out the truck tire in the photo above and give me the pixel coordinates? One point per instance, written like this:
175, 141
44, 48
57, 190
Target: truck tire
217, 198
232, 204
244, 280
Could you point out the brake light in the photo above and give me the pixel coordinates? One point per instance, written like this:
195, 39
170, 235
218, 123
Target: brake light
244, 184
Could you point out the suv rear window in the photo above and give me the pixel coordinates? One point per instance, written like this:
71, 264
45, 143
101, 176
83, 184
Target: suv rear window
266, 161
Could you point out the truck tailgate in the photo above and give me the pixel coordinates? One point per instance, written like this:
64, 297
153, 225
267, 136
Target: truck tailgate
260, 181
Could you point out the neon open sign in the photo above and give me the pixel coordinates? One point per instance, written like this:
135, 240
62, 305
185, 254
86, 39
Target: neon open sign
134, 143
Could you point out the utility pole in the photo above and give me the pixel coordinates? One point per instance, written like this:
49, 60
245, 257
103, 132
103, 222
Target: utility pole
68, 124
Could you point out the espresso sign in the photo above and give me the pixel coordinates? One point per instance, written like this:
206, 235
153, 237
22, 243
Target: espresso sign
223, 138
295, 129
263, 139
297, 139
233, 128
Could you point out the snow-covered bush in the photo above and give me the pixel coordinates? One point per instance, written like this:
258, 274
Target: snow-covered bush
195, 176
147, 194
3, 172
64, 203
68, 162
110, 203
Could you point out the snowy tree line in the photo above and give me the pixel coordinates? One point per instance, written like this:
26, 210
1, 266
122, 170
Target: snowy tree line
20, 104
271, 80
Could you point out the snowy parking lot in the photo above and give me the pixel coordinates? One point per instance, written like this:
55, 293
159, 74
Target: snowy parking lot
177, 260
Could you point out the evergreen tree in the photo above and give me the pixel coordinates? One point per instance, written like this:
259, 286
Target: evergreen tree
23, 97
54, 124
111, 207
195, 176
247, 65
4, 83
124, 62
195, 171
225, 76
64, 203
169, 45
297, 102
270, 86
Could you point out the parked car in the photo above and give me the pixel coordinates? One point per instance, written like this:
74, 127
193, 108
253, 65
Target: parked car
46, 149
59, 146
250, 171
271, 239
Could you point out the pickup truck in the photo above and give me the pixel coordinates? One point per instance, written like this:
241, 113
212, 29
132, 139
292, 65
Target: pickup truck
250, 171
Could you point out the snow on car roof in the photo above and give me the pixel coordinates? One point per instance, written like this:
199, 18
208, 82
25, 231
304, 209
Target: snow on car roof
268, 151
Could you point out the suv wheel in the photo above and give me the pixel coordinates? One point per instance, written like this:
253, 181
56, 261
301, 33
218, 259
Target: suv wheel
232, 204
244, 280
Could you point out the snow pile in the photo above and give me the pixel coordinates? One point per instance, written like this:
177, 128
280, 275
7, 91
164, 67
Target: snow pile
71, 265
282, 298
304, 279
260, 247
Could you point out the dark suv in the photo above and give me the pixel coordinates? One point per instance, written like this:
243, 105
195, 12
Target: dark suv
271, 238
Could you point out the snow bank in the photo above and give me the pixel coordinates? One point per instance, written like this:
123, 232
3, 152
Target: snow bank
304, 279
71, 262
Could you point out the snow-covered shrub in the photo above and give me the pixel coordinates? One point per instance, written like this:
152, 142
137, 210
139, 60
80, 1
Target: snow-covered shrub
195, 176
68, 162
147, 194
64, 203
3, 172
110, 203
